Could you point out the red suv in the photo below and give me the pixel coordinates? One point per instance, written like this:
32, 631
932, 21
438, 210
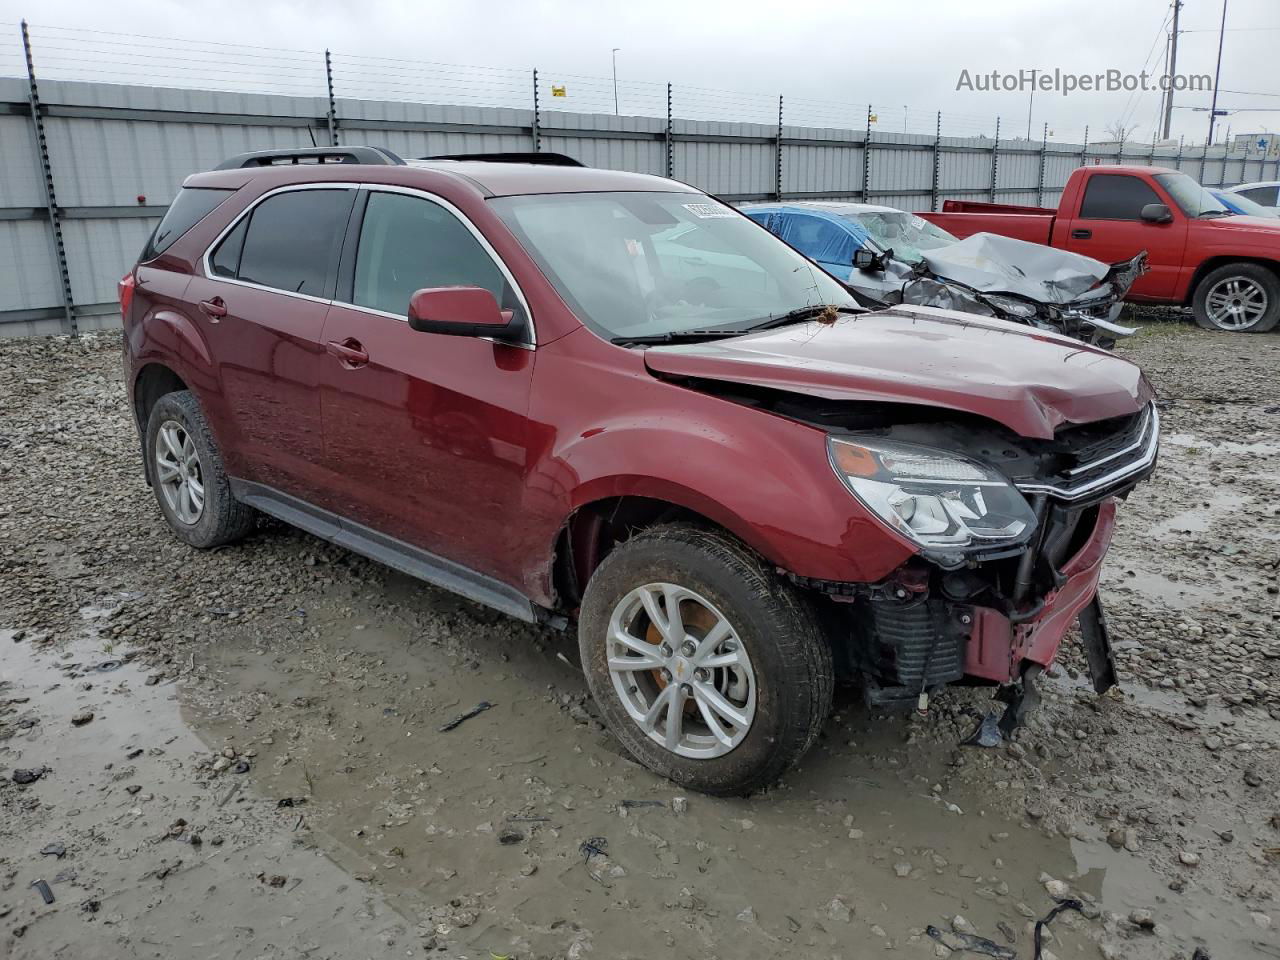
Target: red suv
593, 397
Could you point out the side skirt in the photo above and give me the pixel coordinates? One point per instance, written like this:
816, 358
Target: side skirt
396, 554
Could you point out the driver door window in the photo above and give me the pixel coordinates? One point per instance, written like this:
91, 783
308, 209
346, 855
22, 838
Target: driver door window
409, 243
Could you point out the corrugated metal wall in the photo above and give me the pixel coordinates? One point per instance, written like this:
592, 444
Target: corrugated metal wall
118, 154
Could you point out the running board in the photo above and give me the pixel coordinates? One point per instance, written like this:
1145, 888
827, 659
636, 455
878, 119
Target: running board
394, 553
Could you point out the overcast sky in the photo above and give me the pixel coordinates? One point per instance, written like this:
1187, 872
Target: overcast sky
894, 53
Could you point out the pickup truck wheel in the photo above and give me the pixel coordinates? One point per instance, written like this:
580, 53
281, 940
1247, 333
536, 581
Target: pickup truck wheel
710, 668
187, 475
1238, 298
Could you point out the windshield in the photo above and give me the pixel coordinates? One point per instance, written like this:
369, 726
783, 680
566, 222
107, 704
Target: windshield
1237, 203
904, 233
1191, 198
649, 264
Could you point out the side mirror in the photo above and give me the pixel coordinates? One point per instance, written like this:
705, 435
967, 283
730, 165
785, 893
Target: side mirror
459, 312
1156, 213
864, 259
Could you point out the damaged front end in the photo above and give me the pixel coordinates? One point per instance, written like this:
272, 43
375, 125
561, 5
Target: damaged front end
1011, 543
1009, 279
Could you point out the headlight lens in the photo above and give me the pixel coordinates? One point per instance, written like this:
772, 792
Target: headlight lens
941, 500
1011, 305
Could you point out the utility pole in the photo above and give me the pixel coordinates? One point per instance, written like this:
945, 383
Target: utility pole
615, 80
1030, 102
1173, 69
1213, 107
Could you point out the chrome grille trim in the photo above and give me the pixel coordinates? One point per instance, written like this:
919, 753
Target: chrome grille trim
1149, 446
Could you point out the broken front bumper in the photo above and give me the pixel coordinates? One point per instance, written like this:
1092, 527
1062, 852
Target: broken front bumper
997, 647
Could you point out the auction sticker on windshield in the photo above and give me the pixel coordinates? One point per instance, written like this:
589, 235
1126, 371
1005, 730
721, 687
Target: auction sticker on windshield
707, 211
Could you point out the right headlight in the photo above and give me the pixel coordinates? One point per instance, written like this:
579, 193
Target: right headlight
943, 501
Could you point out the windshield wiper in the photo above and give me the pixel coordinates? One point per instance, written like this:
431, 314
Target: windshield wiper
802, 313
677, 336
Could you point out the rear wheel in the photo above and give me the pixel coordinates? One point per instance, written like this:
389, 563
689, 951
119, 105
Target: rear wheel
1238, 298
710, 668
187, 475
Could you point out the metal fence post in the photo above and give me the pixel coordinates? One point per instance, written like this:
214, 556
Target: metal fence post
866, 158
536, 128
1151, 157
671, 172
995, 161
777, 168
1177, 163
937, 162
1044, 147
1084, 148
51, 199
333, 104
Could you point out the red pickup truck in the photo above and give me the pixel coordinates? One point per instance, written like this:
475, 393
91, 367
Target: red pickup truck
1225, 267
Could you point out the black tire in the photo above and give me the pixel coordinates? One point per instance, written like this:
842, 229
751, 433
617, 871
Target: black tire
775, 623
223, 519
1251, 273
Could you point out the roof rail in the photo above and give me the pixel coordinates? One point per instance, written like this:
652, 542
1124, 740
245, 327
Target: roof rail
545, 159
271, 158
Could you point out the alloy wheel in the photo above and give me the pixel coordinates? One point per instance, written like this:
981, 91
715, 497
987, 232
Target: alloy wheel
1236, 303
178, 472
681, 671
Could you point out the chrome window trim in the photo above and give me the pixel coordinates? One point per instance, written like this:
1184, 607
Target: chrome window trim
207, 267
532, 343
1148, 457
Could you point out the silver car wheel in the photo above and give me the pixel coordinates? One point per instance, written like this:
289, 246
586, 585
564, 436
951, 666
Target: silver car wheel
178, 472
1236, 303
681, 671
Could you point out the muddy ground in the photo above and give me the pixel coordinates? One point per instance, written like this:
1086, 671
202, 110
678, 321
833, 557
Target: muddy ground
263, 772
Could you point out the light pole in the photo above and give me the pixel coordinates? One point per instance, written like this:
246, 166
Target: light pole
1213, 107
615, 80
1030, 102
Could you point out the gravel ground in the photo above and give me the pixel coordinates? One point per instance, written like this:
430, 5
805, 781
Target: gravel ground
239, 752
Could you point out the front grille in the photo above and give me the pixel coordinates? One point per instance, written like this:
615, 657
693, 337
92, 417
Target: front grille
1102, 458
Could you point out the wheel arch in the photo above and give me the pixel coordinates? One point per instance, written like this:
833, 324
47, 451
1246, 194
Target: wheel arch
1222, 260
600, 523
152, 381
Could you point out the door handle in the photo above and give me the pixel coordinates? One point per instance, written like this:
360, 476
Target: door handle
215, 309
1081, 234
350, 351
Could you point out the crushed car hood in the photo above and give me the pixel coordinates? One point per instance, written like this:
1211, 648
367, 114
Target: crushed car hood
995, 264
1028, 380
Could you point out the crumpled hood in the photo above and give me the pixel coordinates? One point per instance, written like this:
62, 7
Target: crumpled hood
1028, 380
995, 264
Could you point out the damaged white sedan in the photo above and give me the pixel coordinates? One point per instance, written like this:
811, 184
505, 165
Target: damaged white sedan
887, 256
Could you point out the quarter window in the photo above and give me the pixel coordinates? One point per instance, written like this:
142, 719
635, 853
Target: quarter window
1116, 196
409, 243
291, 242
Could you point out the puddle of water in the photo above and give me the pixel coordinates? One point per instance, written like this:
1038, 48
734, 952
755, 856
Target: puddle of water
1178, 594
1192, 441
146, 888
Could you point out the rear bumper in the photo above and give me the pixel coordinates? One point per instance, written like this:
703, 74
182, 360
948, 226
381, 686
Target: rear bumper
997, 648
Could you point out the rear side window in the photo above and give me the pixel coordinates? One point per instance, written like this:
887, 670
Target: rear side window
291, 243
189, 207
408, 243
1263, 195
1116, 196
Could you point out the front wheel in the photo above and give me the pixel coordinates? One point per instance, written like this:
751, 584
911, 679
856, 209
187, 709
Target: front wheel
1238, 298
710, 668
